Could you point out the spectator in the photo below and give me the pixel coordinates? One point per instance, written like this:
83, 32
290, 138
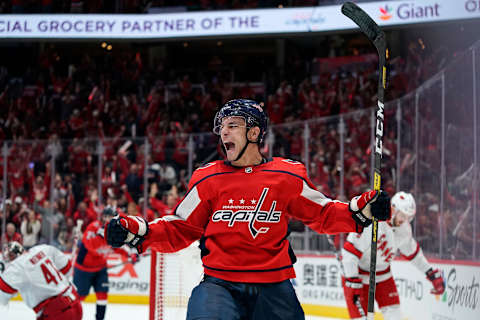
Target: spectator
11, 234
30, 229
84, 213
52, 219
133, 182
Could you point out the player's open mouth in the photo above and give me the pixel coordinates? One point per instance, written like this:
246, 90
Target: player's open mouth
229, 146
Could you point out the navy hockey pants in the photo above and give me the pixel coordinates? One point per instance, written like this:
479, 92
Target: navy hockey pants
83, 280
217, 299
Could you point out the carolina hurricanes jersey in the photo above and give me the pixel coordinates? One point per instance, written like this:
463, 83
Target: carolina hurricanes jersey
356, 251
93, 249
241, 215
37, 275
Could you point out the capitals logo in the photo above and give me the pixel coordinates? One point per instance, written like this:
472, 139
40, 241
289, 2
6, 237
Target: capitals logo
250, 213
385, 13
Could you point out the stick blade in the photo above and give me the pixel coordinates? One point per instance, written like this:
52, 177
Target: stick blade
363, 20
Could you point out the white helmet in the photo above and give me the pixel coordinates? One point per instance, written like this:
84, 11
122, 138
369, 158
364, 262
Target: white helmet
405, 203
12, 250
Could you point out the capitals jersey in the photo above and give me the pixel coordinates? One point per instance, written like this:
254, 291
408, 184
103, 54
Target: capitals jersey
93, 250
241, 214
356, 251
37, 275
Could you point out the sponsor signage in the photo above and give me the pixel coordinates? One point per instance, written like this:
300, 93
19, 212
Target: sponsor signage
318, 283
461, 299
227, 23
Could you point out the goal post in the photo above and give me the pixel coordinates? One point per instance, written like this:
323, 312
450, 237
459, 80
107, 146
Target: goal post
172, 279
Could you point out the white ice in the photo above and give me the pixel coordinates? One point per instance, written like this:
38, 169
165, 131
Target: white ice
17, 310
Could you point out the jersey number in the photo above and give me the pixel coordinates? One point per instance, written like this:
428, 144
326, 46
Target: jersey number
47, 268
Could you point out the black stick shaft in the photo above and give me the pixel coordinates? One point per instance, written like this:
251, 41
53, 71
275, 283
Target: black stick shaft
377, 36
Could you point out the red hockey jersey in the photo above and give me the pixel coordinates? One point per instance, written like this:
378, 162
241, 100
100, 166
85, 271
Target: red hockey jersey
241, 216
93, 250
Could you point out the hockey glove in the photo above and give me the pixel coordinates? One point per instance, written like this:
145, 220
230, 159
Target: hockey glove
353, 293
134, 257
435, 277
368, 205
129, 230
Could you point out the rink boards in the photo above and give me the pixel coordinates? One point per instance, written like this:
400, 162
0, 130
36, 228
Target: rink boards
318, 286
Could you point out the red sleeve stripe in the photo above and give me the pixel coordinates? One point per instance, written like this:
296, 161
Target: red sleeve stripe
351, 248
411, 257
67, 267
5, 287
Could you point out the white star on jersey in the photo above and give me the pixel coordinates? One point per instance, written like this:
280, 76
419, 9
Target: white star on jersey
230, 201
253, 201
242, 201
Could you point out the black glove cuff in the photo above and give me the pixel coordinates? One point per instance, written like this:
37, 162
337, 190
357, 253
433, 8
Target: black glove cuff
137, 242
361, 219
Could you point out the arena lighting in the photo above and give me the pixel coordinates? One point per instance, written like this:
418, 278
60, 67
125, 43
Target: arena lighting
109, 47
104, 44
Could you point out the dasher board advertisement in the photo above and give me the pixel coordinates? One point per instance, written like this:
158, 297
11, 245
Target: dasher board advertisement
318, 286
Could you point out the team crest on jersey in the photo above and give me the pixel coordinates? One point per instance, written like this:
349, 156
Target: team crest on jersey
249, 211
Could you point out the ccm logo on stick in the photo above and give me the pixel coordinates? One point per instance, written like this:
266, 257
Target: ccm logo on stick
379, 131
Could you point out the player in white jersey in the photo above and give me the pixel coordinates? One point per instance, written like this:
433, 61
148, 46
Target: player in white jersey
39, 275
394, 235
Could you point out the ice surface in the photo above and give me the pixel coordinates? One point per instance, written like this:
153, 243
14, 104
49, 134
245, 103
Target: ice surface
17, 310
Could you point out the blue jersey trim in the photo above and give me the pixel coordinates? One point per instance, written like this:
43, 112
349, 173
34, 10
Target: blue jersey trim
251, 270
286, 172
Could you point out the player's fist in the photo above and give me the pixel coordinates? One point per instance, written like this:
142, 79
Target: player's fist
129, 230
435, 277
368, 205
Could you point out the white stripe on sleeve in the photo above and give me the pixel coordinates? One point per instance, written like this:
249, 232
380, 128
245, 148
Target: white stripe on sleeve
188, 204
314, 195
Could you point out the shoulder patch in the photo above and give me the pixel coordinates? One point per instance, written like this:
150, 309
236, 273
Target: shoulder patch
290, 161
207, 165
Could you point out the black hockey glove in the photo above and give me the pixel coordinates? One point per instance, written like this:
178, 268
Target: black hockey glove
129, 230
368, 205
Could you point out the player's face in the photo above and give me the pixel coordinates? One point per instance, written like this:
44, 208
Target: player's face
398, 218
107, 218
233, 134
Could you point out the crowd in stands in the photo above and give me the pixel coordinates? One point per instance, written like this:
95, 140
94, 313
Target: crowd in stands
68, 125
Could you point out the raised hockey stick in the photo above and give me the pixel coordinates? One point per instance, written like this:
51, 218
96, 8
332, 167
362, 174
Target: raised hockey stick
377, 37
77, 233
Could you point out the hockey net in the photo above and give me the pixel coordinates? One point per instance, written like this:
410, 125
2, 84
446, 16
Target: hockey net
172, 278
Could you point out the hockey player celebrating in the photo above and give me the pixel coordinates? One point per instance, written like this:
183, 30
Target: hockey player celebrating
239, 209
90, 269
393, 235
39, 275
